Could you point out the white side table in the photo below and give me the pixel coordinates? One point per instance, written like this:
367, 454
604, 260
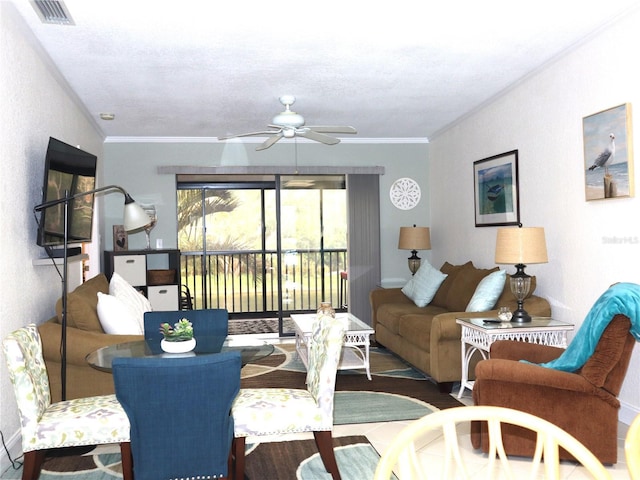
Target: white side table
355, 352
478, 334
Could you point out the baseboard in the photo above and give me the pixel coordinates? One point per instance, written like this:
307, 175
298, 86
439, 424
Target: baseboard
627, 413
14, 446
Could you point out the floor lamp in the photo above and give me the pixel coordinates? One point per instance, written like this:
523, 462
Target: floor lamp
135, 218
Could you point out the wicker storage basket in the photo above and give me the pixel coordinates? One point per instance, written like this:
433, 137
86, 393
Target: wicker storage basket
160, 277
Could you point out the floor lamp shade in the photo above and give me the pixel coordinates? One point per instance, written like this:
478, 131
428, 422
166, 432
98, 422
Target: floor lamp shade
519, 247
414, 239
135, 218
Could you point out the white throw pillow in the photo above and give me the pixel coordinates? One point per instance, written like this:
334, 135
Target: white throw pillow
487, 292
424, 284
115, 317
134, 300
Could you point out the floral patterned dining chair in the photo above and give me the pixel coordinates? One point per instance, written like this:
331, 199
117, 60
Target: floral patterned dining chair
46, 425
279, 411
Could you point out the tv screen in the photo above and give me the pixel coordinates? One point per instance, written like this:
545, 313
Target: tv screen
67, 169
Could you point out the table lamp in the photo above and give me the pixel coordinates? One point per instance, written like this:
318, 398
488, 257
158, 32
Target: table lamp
414, 239
520, 246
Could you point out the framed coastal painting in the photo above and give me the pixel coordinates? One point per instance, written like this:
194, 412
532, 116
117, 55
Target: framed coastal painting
608, 160
496, 190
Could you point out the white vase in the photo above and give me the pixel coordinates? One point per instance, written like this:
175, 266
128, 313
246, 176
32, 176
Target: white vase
178, 347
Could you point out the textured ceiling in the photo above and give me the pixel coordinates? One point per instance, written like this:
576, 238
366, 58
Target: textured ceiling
391, 69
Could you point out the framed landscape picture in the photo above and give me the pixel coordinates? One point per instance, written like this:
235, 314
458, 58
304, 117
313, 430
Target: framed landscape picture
608, 160
496, 190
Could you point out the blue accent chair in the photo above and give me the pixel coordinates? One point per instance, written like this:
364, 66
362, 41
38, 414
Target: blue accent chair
210, 327
179, 411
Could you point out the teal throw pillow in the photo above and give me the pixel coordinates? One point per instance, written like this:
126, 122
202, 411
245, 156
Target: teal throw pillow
424, 284
487, 292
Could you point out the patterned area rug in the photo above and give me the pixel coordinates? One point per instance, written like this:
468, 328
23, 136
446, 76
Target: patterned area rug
355, 456
396, 392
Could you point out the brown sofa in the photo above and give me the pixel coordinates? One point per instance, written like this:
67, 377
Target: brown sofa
84, 335
429, 337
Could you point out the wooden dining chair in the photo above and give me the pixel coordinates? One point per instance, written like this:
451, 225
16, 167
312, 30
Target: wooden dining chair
403, 457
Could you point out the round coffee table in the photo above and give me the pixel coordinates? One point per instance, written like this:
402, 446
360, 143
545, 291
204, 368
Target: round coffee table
249, 351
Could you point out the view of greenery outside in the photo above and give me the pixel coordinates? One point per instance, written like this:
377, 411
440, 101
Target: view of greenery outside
239, 250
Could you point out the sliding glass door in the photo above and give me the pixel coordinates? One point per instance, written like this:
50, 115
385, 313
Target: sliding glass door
263, 247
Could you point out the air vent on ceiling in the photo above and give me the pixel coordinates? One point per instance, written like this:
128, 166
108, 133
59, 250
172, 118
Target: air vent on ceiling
52, 11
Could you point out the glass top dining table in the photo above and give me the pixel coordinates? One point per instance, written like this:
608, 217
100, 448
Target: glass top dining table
250, 350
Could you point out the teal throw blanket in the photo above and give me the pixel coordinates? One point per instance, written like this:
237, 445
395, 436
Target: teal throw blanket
621, 298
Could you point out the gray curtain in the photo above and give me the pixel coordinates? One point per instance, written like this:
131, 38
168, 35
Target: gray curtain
363, 194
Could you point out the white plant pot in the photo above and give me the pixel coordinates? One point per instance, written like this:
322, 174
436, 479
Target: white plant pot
178, 347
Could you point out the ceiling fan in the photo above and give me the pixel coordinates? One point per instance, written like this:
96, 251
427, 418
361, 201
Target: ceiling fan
289, 124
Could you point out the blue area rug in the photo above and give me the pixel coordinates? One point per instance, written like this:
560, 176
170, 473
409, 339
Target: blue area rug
372, 407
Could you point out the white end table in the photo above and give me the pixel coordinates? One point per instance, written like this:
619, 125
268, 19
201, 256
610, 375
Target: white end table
355, 352
479, 333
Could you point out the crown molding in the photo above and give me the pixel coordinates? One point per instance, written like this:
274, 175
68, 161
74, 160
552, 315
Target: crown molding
250, 140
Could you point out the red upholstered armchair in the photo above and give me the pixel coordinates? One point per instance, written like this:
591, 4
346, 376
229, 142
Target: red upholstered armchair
584, 403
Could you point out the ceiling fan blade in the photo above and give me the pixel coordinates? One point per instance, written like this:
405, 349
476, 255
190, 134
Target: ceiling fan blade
270, 141
333, 129
318, 137
266, 132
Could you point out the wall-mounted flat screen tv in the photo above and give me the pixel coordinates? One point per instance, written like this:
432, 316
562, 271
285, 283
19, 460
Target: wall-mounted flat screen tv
67, 169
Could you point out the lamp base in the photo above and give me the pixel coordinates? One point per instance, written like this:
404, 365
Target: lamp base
520, 285
520, 316
414, 262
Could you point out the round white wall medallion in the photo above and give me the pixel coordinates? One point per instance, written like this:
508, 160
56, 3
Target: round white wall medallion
405, 193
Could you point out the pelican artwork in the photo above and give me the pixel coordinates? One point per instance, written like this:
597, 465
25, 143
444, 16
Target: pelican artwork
606, 155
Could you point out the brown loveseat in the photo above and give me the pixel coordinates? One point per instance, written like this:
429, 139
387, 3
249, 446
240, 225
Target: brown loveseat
84, 335
429, 337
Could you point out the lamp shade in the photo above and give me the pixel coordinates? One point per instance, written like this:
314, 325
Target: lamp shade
524, 245
414, 238
135, 218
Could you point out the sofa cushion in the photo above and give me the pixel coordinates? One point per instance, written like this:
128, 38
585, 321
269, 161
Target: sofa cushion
391, 314
464, 286
424, 284
136, 302
452, 271
416, 329
82, 304
116, 317
487, 292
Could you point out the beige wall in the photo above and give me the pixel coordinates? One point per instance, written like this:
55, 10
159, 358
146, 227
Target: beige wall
34, 106
542, 118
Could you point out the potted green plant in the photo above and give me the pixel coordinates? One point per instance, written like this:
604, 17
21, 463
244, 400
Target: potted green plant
177, 338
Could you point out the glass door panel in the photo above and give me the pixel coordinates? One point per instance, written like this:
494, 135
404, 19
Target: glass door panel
263, 249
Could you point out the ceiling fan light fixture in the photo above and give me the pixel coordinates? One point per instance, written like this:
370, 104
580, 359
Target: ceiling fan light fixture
288, 119
289, 124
